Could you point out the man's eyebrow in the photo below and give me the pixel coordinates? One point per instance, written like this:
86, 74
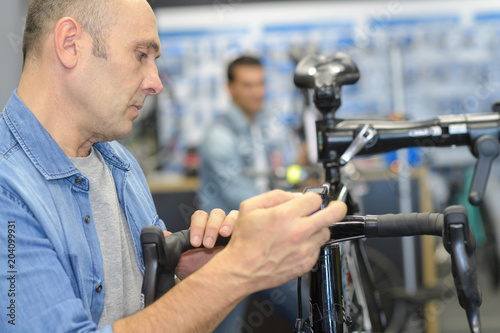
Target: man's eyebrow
155, 46
150, 44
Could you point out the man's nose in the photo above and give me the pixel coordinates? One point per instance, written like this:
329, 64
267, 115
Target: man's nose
151, 84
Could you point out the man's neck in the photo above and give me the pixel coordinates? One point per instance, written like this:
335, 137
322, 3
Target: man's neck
41, 97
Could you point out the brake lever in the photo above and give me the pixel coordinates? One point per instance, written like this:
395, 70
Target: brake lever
486, 148
459, 241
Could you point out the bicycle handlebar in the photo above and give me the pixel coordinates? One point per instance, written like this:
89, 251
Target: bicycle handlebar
443, 131
161, 256
404, 225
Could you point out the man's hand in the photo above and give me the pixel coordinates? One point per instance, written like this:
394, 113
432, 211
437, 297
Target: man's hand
207, 228
278, 237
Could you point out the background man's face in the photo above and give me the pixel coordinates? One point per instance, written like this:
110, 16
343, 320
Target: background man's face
247, 88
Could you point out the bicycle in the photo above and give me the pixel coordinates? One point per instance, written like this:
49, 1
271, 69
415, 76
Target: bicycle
343, 297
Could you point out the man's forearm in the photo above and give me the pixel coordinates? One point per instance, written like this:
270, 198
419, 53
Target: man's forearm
197, 304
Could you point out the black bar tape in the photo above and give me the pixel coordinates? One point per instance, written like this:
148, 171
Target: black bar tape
399, 225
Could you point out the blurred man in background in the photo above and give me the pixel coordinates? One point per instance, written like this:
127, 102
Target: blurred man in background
236, 156
236, 152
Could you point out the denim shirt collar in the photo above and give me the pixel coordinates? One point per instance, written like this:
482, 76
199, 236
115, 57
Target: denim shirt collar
40, 147
240, 120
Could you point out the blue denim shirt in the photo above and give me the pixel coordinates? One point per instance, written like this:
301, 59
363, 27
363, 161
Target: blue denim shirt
227, 155
51, 270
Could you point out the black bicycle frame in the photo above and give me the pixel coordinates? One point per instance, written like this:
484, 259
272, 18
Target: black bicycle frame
327, 285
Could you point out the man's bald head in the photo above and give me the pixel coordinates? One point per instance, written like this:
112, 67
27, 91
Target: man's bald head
95, 17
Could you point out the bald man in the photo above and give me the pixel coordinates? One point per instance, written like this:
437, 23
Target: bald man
73, 201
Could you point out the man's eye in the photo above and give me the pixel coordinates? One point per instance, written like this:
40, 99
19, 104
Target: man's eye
141, 55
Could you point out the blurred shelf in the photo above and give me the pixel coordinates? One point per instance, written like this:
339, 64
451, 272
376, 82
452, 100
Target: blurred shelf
171, 183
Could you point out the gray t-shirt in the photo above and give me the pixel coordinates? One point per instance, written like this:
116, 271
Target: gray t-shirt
122, 275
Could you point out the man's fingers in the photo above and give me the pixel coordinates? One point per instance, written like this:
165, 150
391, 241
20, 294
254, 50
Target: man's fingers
266, 200
227, 226
303, 205
206, 228
215, 220
321, 237
198, 222
335, 212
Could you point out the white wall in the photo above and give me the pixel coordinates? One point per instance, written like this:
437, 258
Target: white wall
237, 14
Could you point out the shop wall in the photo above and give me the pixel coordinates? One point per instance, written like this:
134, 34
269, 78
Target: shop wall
418, 59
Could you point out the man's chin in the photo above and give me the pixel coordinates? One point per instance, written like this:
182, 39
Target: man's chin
122, 134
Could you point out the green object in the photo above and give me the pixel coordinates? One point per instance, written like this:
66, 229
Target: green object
294, 174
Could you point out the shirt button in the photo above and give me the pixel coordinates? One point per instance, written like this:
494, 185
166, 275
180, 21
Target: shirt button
87, 219
78, 180
98, 288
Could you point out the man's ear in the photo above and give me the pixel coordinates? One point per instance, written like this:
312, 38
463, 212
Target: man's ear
67, 37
